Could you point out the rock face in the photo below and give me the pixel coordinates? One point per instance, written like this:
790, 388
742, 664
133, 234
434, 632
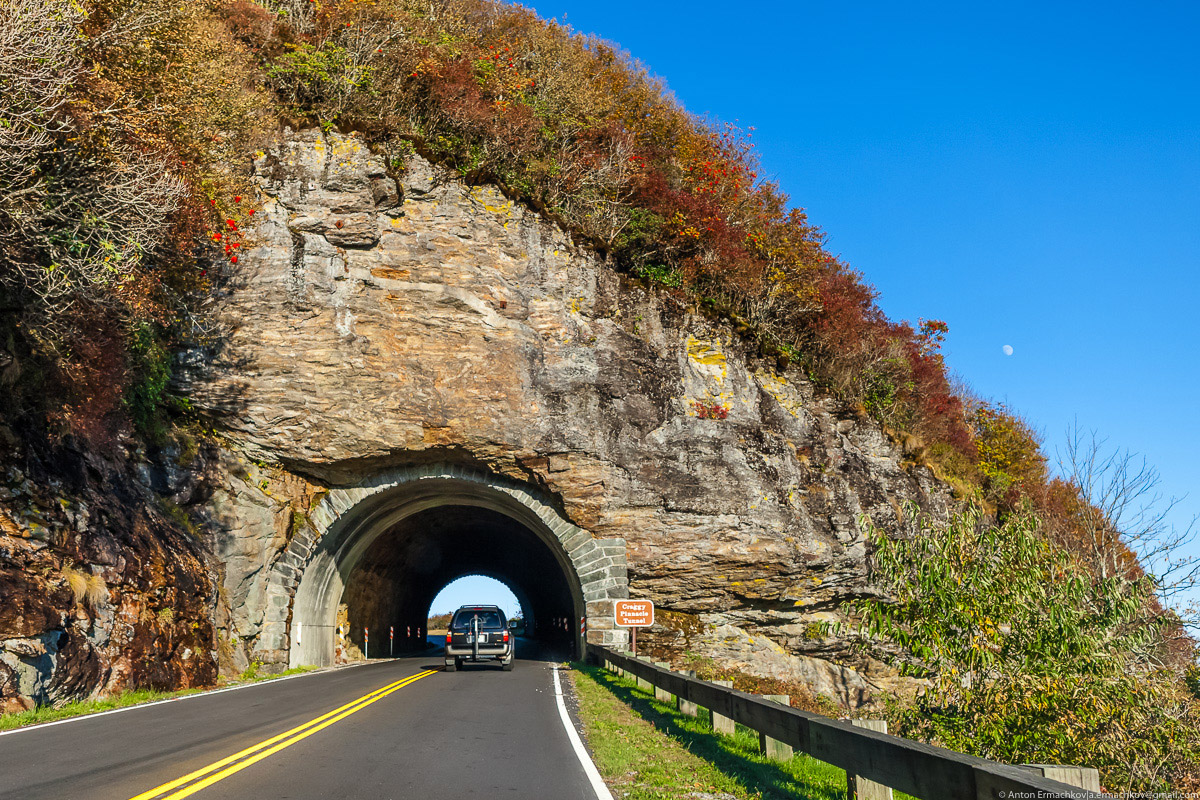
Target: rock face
100, 589
387, 320
382, 320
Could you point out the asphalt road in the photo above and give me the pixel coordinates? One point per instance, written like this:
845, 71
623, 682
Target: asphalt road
399, 731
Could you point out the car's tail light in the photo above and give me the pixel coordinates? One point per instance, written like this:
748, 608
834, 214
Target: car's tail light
506, 635
447, 637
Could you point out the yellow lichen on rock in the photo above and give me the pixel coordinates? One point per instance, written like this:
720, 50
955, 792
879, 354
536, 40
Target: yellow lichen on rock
780, 390
707, 354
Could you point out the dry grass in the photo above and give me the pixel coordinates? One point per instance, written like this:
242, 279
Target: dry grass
89, 590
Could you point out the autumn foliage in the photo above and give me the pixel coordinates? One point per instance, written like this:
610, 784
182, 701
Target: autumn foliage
121, 208
123, 123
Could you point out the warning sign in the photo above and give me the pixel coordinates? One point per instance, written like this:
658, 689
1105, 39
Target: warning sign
634, 613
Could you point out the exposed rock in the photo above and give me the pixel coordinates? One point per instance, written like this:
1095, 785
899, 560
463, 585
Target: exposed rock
461, 326
377, 322
99, 589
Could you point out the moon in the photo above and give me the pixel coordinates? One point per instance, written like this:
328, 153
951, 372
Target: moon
1008, 351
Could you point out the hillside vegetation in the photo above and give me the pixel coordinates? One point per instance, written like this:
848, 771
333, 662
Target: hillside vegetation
126, 128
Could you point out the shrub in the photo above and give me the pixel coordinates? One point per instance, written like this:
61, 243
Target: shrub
117, 122
1028, 657
1010, 456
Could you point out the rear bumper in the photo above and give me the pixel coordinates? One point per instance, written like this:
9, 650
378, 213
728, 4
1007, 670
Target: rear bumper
486, 652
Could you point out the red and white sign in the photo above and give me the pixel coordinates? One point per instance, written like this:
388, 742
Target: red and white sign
634, 613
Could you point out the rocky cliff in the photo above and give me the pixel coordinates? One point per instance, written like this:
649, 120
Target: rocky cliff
395, 316
102, 585
386, 315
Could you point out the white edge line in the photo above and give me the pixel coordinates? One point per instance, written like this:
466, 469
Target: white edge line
194, 695
589, 768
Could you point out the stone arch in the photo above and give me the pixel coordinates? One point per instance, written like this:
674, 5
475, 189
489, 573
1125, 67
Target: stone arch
307, 581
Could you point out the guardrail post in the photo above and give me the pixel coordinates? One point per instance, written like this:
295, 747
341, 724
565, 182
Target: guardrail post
686, 707
722, 724
1083, 777
861, 788
642, 682
773, 748
660, 694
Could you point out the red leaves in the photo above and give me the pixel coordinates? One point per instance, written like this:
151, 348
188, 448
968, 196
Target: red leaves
710, 410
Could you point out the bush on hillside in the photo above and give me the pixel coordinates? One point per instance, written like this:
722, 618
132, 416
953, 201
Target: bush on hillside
117, 119
1028, 657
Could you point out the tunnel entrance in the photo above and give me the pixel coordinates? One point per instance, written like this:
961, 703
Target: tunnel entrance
378, 553
403, 570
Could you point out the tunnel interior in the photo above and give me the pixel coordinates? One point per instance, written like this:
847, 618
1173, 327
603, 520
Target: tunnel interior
400, 573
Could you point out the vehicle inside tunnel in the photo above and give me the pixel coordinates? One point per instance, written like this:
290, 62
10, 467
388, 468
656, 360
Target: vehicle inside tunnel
401, 572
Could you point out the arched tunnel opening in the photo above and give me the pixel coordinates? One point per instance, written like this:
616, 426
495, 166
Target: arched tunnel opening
377, 554
401, 572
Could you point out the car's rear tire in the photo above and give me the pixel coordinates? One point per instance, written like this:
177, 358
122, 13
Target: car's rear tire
507, 665
458, 662
451, 666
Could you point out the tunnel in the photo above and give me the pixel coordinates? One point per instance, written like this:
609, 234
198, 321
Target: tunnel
377, 554
404, 569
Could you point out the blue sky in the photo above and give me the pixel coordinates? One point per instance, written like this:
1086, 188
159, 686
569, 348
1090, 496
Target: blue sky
475, 589
1029, 173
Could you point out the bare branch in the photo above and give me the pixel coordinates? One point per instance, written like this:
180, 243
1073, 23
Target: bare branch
1128, 516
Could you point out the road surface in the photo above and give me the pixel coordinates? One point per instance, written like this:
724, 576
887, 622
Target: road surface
388, 729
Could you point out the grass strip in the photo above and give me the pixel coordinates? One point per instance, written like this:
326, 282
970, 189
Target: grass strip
135, 697
647, 749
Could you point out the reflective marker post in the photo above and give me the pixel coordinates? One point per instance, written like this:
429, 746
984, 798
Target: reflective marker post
391, 640
366, 643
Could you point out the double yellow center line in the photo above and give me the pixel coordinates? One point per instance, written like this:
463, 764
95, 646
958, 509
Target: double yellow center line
219, 770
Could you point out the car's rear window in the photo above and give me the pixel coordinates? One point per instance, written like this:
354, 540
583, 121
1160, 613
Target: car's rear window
488, 618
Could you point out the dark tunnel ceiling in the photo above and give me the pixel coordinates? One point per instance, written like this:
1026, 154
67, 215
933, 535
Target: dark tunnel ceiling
404, 569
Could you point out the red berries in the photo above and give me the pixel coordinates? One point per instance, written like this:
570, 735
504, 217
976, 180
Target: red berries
233, 259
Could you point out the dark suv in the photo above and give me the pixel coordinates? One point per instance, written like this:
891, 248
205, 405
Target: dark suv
478, 633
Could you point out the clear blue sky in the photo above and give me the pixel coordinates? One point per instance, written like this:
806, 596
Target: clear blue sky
475, 589
1028, 172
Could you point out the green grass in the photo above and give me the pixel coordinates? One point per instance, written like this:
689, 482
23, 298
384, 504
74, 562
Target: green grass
251, 674
647, 749
79, 708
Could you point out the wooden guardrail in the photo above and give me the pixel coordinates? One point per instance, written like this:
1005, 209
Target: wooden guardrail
921, 770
